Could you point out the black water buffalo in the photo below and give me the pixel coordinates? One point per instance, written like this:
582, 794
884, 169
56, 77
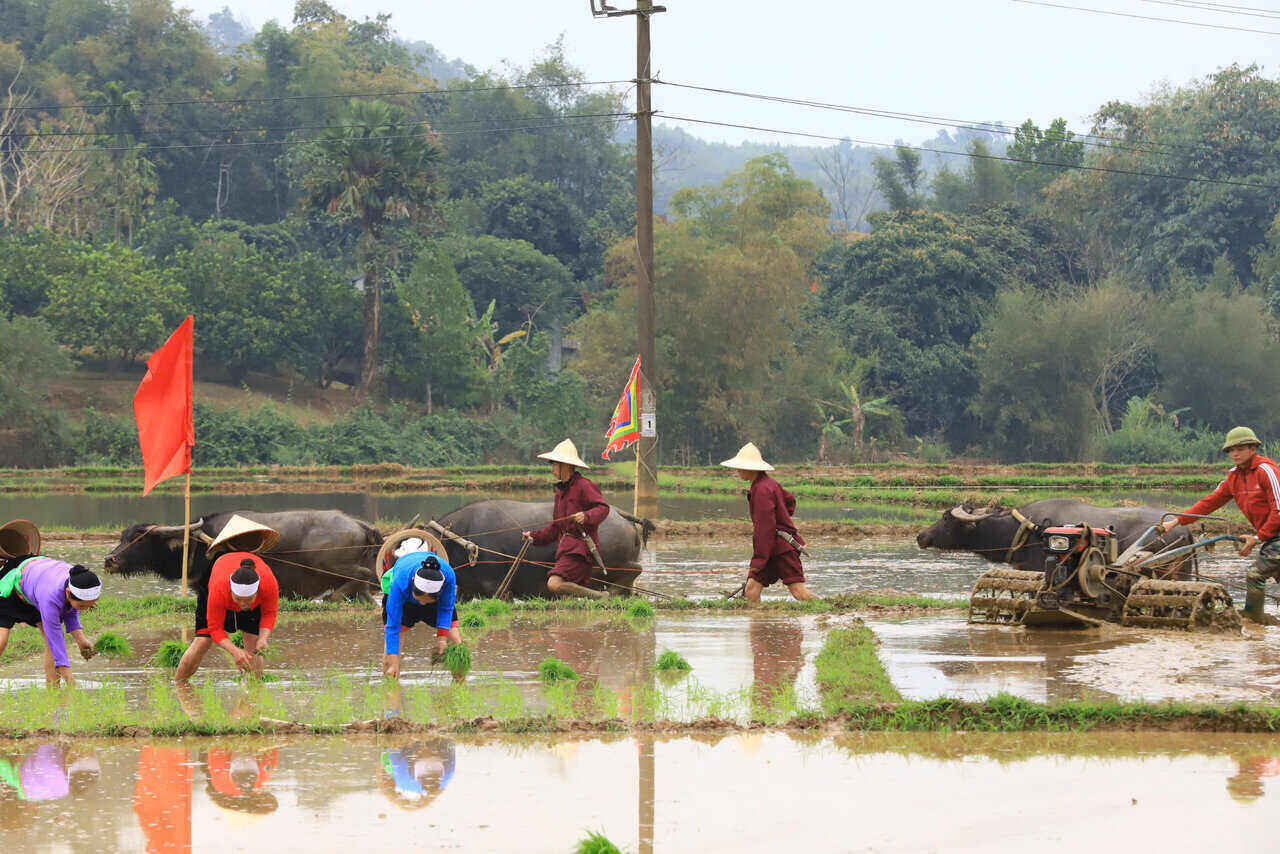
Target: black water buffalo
990, 531
318, 551
495, 526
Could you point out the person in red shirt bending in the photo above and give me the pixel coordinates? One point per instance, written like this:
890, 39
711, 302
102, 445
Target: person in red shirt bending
1254, 483
776, 543
242, 595
578, 511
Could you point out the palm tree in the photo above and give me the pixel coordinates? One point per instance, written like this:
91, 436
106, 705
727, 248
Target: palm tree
378, 167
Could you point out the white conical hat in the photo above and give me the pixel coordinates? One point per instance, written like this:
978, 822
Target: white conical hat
748, 459
565, 452
18, 538
240, 527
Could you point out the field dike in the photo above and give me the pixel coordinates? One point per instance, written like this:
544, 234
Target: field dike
854, 695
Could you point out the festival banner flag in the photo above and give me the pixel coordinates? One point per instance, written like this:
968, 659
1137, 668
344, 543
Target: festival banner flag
624, 426
163, 409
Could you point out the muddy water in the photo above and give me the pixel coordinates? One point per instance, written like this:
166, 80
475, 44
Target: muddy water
946, 657
734, 659
753, 792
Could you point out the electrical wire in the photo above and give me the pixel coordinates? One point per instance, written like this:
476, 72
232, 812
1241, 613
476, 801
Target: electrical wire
1096, 140
1217, 8
1081, 167
1146, 17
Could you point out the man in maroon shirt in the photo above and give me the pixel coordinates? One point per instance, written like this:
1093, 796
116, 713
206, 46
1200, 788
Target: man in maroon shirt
775, 541
578, 511
1254, 483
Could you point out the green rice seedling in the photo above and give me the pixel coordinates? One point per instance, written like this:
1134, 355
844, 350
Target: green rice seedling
639, 610
596, 843
457, 659
169, 655
212, 712
113, 645
605, 702
850, 671
493, 607
554, 670
237, 638
671, 660
559, 697
536, 604
471, 621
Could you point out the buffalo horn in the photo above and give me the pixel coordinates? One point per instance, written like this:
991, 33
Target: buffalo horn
964, 515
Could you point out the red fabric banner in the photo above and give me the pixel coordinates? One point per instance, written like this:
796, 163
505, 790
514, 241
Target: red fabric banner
162, 408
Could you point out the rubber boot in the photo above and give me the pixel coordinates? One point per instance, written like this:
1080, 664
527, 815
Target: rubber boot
1254, 604
568, 588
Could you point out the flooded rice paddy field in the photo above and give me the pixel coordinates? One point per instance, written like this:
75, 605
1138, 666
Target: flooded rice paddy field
748, 792
936, 656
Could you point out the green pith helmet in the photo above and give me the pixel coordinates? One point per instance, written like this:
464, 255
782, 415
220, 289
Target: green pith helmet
1240, 436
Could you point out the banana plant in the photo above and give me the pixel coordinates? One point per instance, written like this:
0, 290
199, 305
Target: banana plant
485, 330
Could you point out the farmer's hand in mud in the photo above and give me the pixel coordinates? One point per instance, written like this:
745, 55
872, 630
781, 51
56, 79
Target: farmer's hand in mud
1248, 544
391, 666
579, 517
86, 650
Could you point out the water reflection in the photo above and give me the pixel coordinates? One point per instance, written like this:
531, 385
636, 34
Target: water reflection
777, 656
917, 791
416, 774
162, 799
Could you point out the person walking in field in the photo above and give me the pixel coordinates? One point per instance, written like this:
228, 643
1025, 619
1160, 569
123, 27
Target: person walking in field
420, 587
575, 519
1254, 483
242, 595
775, 541
46, 593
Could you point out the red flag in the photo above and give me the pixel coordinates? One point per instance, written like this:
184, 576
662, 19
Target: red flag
162, 407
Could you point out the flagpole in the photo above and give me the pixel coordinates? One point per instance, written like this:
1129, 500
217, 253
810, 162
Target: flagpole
186, 529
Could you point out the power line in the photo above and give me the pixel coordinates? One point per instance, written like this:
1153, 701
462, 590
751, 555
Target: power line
974, 156
1146, 17
1217, 8
262, 142
924, 118
348, 95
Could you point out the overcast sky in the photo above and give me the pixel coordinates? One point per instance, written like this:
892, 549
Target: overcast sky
969, 60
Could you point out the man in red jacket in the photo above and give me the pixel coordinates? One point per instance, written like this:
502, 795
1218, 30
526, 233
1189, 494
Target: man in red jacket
578, 511
1254, 483
776, 544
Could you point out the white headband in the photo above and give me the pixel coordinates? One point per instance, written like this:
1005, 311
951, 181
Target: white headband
426, 585
85, 594
244, 591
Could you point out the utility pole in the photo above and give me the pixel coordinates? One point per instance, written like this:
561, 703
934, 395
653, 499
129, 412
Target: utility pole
646, 495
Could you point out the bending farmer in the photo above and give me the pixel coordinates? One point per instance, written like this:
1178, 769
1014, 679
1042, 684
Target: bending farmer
575, 517
1255, 486
44, 593
420, 587
776, 543
242, 595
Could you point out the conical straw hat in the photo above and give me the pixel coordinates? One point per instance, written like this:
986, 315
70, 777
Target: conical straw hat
748, 459
255, 536
565, 452
18, 538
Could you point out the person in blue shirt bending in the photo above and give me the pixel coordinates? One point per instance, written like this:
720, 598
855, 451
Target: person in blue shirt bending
420, 587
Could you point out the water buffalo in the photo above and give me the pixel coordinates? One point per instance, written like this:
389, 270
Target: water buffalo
317, 552
990, 531
621, 538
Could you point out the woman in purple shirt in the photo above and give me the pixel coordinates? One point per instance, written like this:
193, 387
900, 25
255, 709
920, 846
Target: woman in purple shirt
49, 595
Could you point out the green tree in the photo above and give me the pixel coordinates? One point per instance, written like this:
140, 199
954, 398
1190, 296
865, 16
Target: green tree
1055, 370
901, 179
379, 168
1048, 153
114, 303
527, 286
